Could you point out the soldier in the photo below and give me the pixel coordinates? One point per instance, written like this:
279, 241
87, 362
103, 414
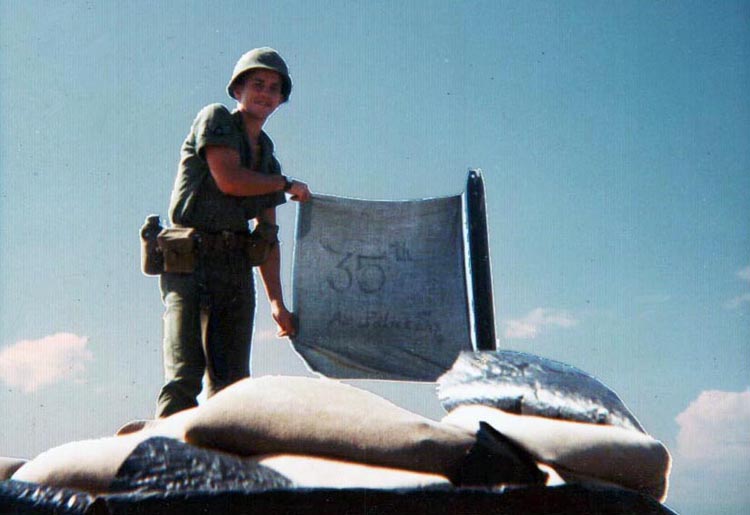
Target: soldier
227, 176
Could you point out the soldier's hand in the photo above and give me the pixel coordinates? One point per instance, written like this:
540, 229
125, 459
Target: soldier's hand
299, 191
284, 322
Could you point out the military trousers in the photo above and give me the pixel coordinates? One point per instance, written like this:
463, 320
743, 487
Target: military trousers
208, 327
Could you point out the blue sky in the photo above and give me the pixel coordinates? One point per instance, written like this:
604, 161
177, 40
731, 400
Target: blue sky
613, 138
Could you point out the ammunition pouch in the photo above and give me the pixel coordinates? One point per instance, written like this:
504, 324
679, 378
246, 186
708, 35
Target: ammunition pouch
260, 242
179, 248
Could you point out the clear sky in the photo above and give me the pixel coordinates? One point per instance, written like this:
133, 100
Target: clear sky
613, 137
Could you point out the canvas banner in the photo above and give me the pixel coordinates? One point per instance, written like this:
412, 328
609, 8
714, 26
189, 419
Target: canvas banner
379, 287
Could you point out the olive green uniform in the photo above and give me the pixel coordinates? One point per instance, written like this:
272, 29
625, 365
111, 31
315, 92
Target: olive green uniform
221, 289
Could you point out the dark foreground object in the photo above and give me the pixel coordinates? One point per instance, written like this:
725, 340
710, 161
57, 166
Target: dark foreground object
563, 500
22, 498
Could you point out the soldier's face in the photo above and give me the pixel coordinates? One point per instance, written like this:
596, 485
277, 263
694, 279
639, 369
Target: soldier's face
260, 93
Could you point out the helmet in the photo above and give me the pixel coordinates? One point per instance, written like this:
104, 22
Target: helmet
266, 58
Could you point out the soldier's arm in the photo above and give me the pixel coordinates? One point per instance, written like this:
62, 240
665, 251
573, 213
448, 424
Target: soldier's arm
234, 179
270, 273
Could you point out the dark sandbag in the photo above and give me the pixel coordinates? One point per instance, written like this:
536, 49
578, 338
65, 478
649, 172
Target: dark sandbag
563, 500
526, 384
165, 464
18, 497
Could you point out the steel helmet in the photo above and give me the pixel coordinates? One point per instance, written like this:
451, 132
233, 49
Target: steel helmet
267, 58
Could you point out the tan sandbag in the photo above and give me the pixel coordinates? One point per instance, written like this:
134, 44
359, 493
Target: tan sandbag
578, 451
172, 426
9, 465
317, 472
320, 417
133, 426
88, 465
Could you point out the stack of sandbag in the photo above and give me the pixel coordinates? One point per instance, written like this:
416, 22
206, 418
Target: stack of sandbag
309, 432
562, 416
91, 465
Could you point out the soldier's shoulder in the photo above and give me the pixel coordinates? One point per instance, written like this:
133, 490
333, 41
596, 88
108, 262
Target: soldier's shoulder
213, 110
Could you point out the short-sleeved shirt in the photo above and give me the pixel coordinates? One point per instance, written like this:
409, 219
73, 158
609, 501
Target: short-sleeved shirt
196, 199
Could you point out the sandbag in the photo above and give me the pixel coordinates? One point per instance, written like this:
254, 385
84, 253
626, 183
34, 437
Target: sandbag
161, 464
320, 417
317, 472
172, 426
8, 466
133, 426
87, 465
580, 451
165, 464
527, 384
90, 465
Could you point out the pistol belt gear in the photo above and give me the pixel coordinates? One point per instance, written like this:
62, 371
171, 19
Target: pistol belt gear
152, 262
181, 246
261, 242
179, 249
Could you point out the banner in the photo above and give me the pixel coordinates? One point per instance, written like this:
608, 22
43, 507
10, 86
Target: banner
379, 287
